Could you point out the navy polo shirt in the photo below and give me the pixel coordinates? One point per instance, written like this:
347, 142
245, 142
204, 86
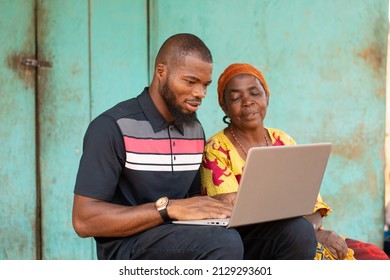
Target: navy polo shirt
132, 156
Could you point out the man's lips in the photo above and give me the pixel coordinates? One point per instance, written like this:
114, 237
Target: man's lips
193, 105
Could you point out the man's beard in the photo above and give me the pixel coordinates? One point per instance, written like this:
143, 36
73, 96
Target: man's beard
171, 101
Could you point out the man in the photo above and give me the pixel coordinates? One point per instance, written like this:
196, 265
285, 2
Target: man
143, 150
140, 168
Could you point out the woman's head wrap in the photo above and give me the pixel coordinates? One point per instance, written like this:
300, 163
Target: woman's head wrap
237, 69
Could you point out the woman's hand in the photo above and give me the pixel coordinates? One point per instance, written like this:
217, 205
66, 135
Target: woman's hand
334, 242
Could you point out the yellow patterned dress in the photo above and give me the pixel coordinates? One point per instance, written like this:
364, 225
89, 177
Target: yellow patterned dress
222, 168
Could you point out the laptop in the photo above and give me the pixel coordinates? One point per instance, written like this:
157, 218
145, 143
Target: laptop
278, 182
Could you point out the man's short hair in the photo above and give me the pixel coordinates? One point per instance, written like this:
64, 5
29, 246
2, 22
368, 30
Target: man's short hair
178, 46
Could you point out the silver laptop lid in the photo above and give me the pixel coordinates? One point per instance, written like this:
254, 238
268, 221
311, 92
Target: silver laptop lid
280, 182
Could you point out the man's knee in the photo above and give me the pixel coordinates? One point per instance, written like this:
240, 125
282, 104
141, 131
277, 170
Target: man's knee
302, 238
224, 244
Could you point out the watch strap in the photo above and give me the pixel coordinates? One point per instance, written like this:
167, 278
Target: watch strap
164, 215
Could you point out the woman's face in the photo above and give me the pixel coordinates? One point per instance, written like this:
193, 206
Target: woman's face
246, 102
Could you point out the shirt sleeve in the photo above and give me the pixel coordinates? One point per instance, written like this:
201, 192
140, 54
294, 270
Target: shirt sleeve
102, 160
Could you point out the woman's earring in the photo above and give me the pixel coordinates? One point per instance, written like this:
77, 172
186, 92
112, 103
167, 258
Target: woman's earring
226, 120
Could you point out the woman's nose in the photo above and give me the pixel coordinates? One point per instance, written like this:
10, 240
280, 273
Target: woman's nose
247, 101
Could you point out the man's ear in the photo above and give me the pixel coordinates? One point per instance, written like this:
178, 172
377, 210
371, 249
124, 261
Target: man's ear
161, 70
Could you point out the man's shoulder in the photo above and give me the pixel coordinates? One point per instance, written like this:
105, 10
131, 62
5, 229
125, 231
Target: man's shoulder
130, 108
123, 109
108, 119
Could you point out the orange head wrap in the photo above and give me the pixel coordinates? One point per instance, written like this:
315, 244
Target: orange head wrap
237, 69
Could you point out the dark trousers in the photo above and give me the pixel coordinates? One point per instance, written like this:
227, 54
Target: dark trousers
286, 239
290, 239
175, 242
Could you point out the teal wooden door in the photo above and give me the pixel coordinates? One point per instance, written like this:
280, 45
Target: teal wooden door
45, 111
99, 54
64, 102
18, 226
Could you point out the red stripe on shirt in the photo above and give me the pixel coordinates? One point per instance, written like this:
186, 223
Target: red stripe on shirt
163, 146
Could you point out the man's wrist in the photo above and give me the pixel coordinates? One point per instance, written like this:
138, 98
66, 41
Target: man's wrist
161, 206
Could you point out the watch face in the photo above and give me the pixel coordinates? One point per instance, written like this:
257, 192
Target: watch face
161, 203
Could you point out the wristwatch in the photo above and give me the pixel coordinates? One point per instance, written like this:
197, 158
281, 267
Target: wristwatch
161, 206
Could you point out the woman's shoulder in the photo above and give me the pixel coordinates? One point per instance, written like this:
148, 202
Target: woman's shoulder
218, 138
219, 142
276, 131
280, 137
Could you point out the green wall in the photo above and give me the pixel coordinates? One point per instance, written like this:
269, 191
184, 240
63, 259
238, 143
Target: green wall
324, 62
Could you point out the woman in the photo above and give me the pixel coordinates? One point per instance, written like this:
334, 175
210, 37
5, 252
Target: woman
243, 95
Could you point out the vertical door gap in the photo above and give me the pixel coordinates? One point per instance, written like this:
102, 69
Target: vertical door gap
38, 234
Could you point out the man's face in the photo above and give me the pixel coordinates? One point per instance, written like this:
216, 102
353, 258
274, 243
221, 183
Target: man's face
185, 87
174, 107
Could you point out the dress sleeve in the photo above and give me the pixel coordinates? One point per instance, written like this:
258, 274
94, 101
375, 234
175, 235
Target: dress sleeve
322, 207
217, 174
280, 138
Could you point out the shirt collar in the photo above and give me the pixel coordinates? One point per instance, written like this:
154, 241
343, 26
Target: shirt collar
156, 120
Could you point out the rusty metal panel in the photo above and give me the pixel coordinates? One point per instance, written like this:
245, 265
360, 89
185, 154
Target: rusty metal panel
99, 56
64, 113
325, 65
324, 61
17, 132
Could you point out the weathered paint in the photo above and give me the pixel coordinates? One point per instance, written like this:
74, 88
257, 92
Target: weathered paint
64, 113
17, 132
387, 136
99, 52
324, 62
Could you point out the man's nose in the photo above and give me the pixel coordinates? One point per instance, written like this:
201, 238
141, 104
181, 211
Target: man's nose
199, 92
